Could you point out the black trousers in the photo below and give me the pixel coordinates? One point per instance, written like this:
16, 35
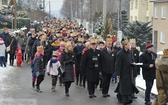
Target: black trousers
79, 78
91, 87
149, 85
11, 58
40, 78
67, 86
54, 80
106, 83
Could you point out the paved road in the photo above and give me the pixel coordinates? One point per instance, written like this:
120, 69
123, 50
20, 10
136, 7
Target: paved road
18, 86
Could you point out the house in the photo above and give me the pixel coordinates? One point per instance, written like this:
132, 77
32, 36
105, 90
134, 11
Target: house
141, 10
160, 24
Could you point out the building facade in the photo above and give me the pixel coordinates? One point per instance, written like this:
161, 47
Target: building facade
160, 24
141, 10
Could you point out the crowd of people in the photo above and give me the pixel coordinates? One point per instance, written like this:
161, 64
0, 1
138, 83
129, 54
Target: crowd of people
64, 50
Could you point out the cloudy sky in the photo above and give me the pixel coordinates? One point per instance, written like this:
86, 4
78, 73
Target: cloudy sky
55, 6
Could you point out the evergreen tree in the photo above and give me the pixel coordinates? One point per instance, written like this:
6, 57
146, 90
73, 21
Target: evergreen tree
99, 27
141, 31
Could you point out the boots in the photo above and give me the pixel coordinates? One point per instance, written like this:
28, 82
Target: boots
33, 84
38, 89
67, 93
53, 88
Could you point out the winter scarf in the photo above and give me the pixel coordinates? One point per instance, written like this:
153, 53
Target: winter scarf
80, 48
53, 61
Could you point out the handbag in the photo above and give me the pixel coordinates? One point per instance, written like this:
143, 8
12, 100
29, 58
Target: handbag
8, 48
61, 70
164, 86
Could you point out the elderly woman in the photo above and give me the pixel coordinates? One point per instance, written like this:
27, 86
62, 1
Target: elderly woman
67, 60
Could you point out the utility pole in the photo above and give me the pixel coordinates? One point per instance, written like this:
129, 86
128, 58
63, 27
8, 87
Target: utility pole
49, 11
81, 11
76, 8
43, 5
104, 11
71, 11
15, 14
119, 33
90, 16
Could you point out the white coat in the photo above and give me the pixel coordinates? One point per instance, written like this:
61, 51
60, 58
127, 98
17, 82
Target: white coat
53, 70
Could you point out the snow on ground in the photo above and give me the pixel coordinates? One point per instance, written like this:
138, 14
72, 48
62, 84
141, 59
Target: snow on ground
4, 73
140, 82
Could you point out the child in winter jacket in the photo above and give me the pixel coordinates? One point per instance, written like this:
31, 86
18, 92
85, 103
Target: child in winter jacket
39, 67
19, 56
2, 53
52, 67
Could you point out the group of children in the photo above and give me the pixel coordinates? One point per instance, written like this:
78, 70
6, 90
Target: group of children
51, 68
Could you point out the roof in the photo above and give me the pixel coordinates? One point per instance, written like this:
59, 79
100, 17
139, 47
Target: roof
158, 0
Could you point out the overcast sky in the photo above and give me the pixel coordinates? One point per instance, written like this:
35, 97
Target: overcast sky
55, 6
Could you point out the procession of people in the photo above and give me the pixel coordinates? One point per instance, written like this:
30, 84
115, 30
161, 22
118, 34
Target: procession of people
64, 50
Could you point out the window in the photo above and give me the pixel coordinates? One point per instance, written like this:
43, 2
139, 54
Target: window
162, 37
135, 18
136, 4
163, 15
4, 2
156, 12
132, 5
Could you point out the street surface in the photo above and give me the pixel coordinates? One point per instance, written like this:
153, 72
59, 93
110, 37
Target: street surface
18, 86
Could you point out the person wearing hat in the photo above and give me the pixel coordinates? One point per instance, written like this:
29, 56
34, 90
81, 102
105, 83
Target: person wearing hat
161, 69
78, 54
67, 61
148, 70
2, 53
39, 67
123, 70
91, 66
52, 67
135, 54
108, 54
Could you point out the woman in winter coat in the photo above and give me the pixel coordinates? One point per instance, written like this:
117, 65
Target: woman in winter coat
39, 67
52, 67
21, 40
67, 61
28, 49
13, 47
162, 67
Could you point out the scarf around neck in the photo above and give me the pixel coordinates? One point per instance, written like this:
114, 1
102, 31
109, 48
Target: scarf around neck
53, 61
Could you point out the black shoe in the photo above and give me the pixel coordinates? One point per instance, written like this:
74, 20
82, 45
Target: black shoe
38, 90
148, 103
67, 94
60, 84
107, 95
90, 96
